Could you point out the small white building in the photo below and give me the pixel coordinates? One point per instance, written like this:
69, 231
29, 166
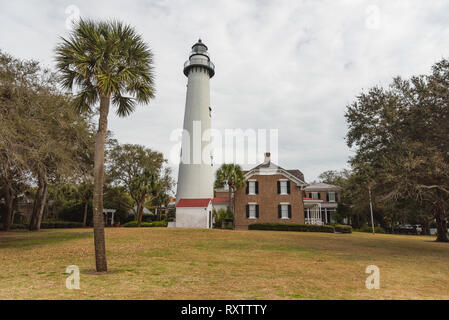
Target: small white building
194, 213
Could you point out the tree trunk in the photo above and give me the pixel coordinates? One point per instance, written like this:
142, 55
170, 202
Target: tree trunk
8, 194
39, 203
441, 226
140, 212
233, 200
43, 201
230, 198
98, 219
36, 204
86, 206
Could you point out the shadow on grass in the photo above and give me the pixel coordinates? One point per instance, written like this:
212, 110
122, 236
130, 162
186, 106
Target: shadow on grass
31, 240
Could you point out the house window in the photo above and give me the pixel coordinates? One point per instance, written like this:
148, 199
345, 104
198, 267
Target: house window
285, 211
252, 211
315, 195
252, 187
331, 196
283, 187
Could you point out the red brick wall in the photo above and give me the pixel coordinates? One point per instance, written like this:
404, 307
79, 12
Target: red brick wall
268, 200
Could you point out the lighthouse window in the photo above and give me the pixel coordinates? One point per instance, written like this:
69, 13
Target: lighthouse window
210, 112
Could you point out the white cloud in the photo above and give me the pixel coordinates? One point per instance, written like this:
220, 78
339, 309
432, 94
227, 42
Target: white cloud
291, 65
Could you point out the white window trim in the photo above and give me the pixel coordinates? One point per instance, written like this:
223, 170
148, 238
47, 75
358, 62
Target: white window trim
335, 197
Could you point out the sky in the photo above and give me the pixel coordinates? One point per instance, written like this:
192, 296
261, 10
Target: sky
293, 66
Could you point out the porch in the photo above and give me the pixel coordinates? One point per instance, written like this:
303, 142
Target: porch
312, 212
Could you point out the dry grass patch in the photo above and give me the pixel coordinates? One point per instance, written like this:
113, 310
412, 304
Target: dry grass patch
153, 263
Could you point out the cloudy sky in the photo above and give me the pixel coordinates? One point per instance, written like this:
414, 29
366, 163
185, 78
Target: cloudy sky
287, 65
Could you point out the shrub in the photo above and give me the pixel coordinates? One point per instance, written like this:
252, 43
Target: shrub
223, 218
159, 224
154, 224
291, 227
74, 212
50, 224
343, 228
369, 229
18, 226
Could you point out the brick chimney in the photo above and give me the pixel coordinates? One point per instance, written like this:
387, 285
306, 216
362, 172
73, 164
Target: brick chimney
267, 158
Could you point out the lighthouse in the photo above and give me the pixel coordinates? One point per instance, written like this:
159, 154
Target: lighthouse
195, 178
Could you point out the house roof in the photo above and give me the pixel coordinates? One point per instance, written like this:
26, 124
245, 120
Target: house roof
193, 203
220, 200
322, 187
294, 175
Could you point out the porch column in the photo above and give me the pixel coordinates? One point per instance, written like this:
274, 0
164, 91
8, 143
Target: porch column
112, 219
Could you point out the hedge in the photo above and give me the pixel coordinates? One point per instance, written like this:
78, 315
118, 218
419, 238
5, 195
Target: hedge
60, 225
369, 229
343, 228
154, 224
18, 227
291, 227
50, 225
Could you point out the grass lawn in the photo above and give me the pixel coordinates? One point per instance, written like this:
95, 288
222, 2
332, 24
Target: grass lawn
217, 264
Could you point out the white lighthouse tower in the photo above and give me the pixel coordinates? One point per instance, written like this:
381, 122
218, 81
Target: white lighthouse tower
195, 179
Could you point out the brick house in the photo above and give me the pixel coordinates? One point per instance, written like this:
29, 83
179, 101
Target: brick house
276, 195
329, 196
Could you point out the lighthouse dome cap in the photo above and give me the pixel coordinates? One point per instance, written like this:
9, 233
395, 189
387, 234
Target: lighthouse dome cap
198, 44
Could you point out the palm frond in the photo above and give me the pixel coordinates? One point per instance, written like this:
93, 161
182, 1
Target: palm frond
125, 105
109, 59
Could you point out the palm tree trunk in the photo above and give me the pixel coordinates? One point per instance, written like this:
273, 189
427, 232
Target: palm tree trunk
86, 206
230, 198
233, 201
98, 219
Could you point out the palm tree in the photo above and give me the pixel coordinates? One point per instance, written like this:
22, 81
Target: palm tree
142, 186
230, 175
104, 61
